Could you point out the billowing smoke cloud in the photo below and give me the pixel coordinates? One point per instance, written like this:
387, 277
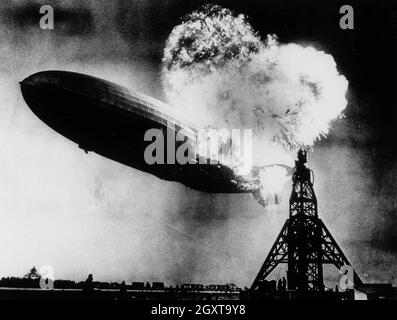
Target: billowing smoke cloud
218, 72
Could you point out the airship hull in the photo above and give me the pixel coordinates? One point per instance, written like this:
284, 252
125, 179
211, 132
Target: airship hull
111, 121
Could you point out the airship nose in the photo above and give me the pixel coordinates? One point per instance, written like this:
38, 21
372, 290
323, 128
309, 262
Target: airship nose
34, 90
47, 95
45, 78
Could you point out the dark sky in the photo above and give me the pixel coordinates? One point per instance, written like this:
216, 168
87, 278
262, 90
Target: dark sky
355, 166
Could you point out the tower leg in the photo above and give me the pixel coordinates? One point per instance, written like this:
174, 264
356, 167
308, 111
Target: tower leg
278, 254
333, 254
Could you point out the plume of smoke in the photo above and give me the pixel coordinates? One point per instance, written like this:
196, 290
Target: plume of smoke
218, 72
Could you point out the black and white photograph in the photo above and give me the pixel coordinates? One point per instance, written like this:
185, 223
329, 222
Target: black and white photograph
221, 152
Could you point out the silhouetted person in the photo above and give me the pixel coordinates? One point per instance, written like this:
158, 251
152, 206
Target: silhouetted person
279, 285
88, 284
123, 287
123, 291
284, 284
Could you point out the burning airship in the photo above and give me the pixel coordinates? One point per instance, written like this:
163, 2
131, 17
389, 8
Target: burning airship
111, 120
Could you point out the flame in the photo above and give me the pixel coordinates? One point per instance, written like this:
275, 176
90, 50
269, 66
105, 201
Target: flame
218, 72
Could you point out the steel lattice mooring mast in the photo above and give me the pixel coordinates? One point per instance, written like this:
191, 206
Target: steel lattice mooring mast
304, 242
